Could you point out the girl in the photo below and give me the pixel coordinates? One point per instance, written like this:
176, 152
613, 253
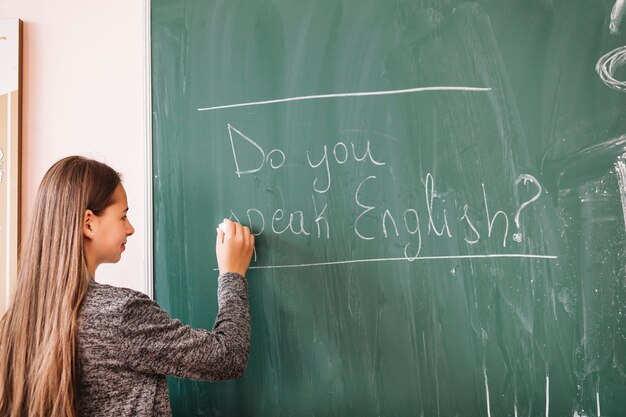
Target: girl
72, 347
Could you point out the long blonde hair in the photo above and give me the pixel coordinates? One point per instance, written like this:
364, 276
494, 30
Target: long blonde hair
38, 333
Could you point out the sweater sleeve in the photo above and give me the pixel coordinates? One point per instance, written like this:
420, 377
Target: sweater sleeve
155, 343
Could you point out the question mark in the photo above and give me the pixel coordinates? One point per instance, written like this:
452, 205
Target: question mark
517, 237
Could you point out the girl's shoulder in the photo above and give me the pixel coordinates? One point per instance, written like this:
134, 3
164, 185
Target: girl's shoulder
106, 290
107, 300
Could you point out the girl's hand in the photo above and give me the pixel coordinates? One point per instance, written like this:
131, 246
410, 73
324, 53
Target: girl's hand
233, 246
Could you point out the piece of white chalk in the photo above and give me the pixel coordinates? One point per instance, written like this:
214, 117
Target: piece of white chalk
223, 227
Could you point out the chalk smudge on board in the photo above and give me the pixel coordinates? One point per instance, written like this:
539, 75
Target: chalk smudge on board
620, 168
617, 14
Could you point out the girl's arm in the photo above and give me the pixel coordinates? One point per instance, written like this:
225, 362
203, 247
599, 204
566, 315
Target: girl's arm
155, 343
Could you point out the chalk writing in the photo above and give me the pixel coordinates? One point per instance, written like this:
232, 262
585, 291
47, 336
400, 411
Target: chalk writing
325, 160
492, 220
274, 153
430, 195
370, 219
276, 157
525, 178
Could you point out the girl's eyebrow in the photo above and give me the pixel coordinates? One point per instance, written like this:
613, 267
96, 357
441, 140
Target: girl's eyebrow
125, 210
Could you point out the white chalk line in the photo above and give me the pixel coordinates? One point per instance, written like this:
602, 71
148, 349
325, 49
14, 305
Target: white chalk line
487, 392
547, 395
420, 258
339, 95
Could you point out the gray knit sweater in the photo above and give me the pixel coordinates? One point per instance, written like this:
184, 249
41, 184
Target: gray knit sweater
127, 345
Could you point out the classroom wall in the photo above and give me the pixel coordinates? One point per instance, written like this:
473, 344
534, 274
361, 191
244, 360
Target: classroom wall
84, 92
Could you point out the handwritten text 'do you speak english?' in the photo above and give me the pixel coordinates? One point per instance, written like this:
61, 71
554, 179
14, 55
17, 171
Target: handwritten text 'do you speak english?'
369, 220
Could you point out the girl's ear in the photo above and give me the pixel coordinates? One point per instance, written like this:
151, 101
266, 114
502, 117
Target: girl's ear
88, 224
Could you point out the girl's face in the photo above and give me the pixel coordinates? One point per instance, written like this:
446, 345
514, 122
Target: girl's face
106, 234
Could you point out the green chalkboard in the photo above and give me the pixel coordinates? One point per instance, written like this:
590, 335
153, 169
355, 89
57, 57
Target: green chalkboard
439, 194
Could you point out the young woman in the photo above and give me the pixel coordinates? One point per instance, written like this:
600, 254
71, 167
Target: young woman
70, 346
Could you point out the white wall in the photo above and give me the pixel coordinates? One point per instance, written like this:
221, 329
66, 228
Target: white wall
84, 92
